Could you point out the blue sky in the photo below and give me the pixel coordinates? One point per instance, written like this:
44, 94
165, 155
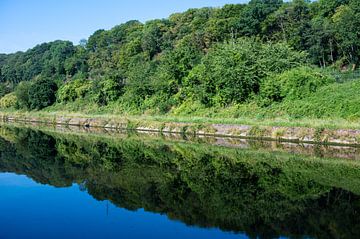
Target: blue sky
26, 23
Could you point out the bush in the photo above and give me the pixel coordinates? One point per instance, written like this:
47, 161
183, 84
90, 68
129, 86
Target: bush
22, 94
188, 107
329, 102
297, 83
159, 103
107, 91
231, 72
73, 90
4, 88
42, 93
8, 101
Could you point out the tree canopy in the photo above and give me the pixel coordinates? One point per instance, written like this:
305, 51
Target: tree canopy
217, 56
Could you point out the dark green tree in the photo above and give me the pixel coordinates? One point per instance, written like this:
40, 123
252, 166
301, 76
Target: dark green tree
42, 93
22, 94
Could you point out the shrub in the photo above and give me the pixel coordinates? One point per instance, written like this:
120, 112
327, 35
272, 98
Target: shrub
296, 83
73, 90
107, 91
22, 94
188, 107
4, 88
232, 72
42, 93
159, 103
332, 101
8, 101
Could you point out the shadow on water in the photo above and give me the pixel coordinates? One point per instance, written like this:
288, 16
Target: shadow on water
263, 193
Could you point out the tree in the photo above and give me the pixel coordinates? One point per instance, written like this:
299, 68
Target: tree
347, 25
1, 76
232, 72
77, 63
173, 67
108, 89
290, 23
224, 23
321, 42
255, 12
293, 84
42, 93
22, 94
327, 8
3, 89
97, 40
138, 86
196, 55
152, 39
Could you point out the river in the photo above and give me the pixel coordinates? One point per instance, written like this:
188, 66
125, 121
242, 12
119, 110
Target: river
72, 183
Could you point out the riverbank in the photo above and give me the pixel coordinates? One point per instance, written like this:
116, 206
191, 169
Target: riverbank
313, 150
339, 132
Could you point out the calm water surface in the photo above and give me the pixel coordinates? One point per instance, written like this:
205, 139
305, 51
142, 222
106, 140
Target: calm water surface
72, 185
32, 210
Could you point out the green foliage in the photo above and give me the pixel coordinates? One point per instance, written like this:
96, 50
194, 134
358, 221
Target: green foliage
22, 94
138, 87
8, 101
77, 63
332, 101
297, 83
4, 89
47, 59
347, 26
42, 93
231, 72
235, 82
157, 84
290, 23
254, 14
107, 91
73, 90
188, 107
154, 38
232, 57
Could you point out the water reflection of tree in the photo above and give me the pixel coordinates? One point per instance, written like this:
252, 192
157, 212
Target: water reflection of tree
262, 194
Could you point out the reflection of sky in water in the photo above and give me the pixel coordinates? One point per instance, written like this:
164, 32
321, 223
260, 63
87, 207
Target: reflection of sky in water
9, 179
30, 210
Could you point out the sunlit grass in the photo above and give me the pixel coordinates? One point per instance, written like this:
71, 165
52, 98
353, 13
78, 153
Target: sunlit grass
283, 121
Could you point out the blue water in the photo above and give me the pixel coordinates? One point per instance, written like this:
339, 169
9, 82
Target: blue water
32, 210
80, 186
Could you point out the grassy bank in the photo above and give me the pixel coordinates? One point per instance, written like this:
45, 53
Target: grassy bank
335, 123
323, 132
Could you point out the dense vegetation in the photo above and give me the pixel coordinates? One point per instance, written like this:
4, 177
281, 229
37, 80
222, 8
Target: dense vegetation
267, 57
265, 195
